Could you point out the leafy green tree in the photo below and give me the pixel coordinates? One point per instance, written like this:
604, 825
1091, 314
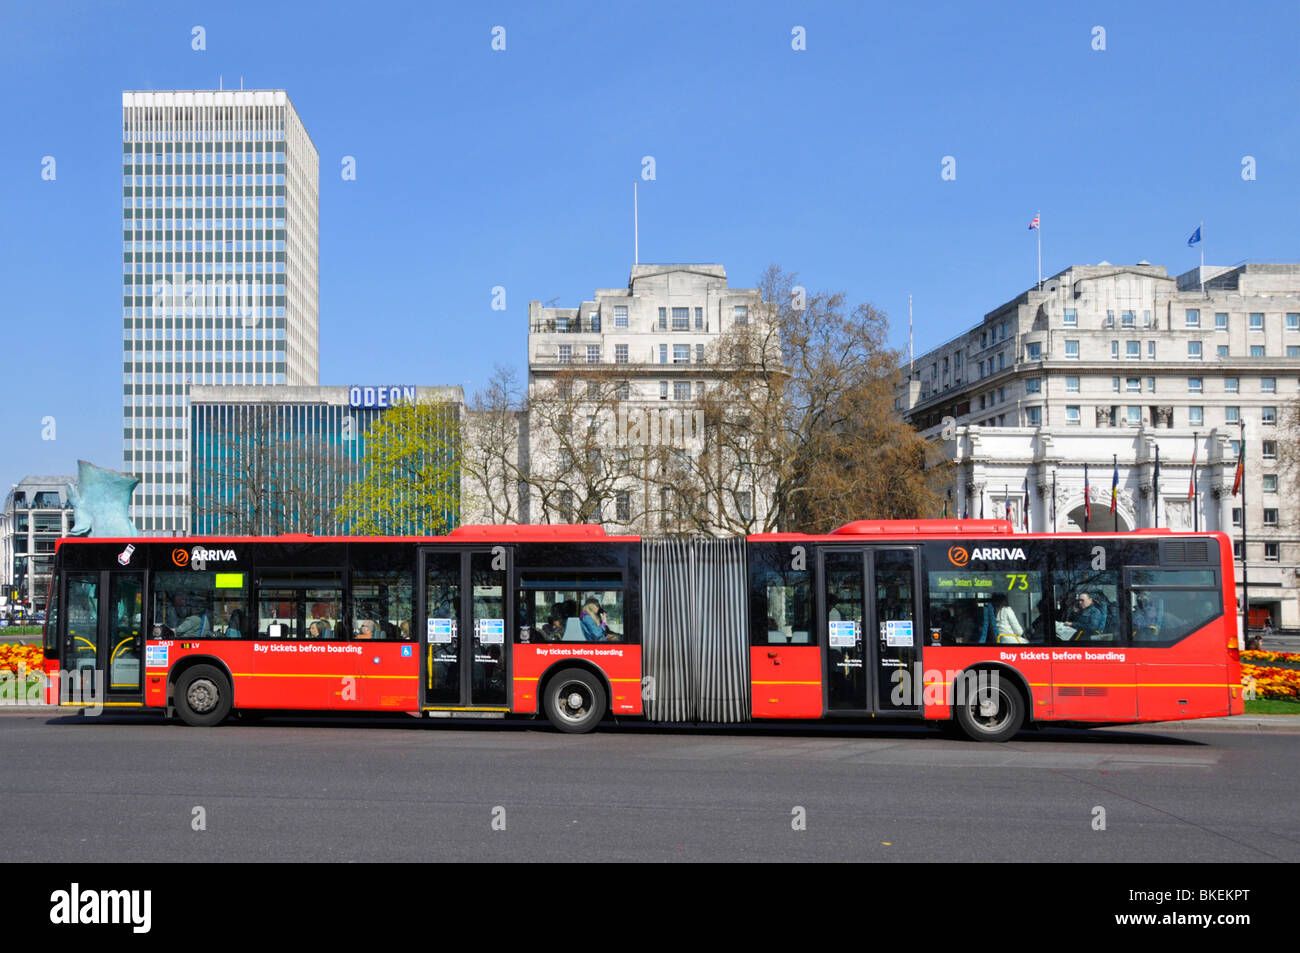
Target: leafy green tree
411, 474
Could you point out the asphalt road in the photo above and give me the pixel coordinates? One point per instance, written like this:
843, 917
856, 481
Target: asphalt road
133, 788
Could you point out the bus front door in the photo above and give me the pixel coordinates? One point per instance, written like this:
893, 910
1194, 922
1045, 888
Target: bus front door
869, 630
102, 644
465, 605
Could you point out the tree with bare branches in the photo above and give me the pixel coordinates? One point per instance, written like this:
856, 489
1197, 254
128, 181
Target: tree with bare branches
801, 434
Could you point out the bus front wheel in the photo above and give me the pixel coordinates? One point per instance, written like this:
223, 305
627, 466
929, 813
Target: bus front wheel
575, 701
992, 711
203, 696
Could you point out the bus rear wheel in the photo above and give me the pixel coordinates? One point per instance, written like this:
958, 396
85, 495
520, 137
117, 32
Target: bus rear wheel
992, 711
203, 696
575, 701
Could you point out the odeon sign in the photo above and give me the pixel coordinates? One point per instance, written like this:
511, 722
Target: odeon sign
389, 396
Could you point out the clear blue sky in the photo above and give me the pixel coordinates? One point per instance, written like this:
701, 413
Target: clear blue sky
477, 168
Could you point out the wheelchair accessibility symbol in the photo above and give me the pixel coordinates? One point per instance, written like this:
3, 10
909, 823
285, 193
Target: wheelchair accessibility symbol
406, 651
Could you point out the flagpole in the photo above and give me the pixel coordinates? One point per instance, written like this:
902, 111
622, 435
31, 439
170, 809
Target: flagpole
636, 228
1196, 500
1114, 494
1039, 230
1087, 501
1202, 244
1156, 481
1024, 517
1053, 500
1245, 552
911, 352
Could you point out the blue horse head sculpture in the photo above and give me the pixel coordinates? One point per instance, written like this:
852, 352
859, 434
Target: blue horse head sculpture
100, 502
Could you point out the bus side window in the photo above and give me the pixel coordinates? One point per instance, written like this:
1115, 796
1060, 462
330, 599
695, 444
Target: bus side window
1002, 606
1088, 607
780, 593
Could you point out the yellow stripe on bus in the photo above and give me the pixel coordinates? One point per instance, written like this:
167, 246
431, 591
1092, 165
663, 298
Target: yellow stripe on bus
107, 704
787, 683
1140, 684
470, 708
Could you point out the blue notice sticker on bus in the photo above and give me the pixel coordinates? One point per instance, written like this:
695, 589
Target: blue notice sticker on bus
155, 656
897, 633
406, 651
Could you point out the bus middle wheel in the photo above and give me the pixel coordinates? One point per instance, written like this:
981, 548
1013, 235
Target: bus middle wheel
575, 701
203, 696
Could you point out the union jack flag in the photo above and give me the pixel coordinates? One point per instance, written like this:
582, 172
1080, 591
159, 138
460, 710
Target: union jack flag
1034, 223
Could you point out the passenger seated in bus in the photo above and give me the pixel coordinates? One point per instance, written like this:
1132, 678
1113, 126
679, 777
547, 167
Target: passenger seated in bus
366, 630
977, 622
966, 618
1147, 615
235, 624
553, 630
1035, 630
1087, 618
193, 627
592, 629
610, 634
1009, 629
404, 629
177, 610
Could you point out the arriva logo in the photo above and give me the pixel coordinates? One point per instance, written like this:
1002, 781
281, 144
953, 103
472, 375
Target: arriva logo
198, 555
990, 552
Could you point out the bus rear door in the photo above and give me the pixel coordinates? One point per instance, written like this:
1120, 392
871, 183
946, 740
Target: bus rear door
868, 616
464, 607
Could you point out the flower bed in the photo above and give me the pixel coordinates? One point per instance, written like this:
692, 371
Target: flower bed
1256, 657
14, 658
1273, 682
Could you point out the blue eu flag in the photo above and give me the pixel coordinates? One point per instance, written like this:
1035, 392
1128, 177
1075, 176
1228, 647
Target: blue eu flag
1196, 237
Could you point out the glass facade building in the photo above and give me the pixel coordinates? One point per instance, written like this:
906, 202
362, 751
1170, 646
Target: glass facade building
271, 460
219, 270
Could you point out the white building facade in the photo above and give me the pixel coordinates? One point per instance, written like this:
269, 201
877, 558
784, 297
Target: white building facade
36, 514
1107, 365
658, 341
220, 273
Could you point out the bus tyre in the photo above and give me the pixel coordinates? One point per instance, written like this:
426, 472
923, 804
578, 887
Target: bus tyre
992, 712
203, 696
575, 701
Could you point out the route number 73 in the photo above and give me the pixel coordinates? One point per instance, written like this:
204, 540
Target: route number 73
1018, 581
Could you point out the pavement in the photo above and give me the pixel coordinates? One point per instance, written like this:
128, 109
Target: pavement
1284, 723
1290, 642
130, 788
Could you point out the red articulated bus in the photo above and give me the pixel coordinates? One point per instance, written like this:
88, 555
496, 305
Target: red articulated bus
958, 622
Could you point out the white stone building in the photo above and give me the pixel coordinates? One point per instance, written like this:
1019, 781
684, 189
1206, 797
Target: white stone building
1103, 365
657, 340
